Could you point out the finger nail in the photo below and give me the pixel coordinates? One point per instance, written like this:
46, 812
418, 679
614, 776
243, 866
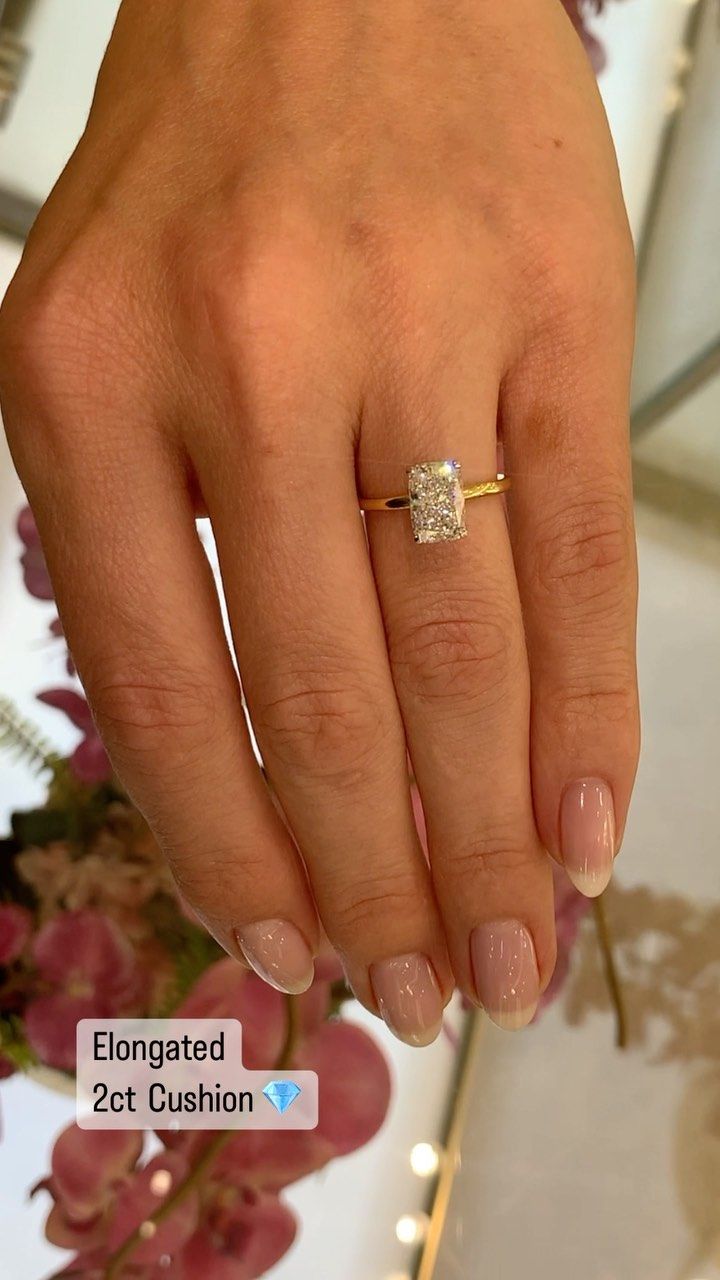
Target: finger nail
278, 953
587, 834
505, 972
408, 998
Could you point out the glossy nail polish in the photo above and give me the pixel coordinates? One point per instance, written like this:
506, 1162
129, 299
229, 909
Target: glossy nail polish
587, 834
278, 953
506, 972
408, 997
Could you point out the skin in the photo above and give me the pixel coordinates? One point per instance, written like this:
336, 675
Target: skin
300, 246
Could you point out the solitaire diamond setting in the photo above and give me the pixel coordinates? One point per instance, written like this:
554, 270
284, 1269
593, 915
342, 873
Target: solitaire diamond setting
437, 502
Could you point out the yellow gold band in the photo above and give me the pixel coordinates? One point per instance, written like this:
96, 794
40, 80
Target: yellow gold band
497, 485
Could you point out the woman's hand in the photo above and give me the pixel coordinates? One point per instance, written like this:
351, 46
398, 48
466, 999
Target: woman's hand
301, 246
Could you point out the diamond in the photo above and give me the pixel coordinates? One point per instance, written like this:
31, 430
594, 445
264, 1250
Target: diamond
437, 503
282, 1094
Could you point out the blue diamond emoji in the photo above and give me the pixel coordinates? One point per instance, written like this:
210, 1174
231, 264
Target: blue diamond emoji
282, 1094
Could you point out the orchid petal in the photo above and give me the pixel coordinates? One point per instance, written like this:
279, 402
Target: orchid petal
269, 1160
227, 990
90, 945
50, 1026
15, 929
87, 1163
65, 1234
141, 1196
247, 1240
90, 761
355, 1084
73, 704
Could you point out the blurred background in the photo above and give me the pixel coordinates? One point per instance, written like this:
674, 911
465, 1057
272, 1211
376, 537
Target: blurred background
555, 1153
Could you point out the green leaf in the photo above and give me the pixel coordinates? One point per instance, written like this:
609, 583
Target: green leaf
192, 951
13, 1044
24, 740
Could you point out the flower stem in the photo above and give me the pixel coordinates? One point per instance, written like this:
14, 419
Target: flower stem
182, 1190
113, 1269
611, 973
292, 1027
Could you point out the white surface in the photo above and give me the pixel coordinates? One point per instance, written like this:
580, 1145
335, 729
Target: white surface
687, 442
575, 1163
679, 313
643, 38
67, 39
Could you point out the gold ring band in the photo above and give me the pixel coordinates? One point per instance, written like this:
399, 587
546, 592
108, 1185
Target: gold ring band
497, 485
436, 499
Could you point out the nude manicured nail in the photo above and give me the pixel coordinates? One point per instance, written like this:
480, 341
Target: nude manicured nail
277, 951
587, 834
506, 972
408, 998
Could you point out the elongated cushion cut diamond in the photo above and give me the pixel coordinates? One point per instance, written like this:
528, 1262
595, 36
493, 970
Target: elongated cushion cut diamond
437, 504
282, 1094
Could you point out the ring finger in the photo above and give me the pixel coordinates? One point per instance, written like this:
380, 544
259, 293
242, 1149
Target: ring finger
309, 640
456, 645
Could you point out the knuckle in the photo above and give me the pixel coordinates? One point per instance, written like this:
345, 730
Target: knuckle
584, 554
366, 904
489, 856
581, 268
263, 305
211, 879
612, 701
565, 284
463, 654
244, 292
61, 344
326, 729
42, 329
141, 716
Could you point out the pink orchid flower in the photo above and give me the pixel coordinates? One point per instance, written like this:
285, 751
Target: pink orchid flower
239, 1239
87, 1168
355, 1091
96, 1214
35, 574
227, 990
15, 929
355, 1085
355, 1081
92, 972
354, 1070
239, 1242
232, 1226
577, 11
89, 761
141, 1196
